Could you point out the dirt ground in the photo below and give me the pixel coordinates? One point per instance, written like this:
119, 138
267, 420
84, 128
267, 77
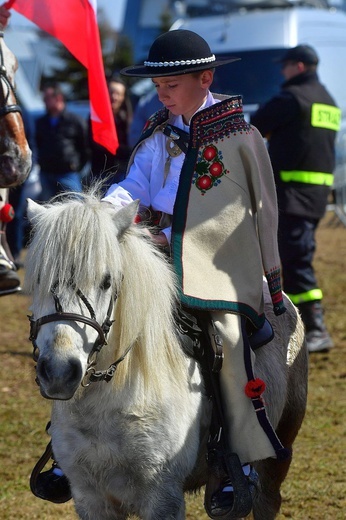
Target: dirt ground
316, 486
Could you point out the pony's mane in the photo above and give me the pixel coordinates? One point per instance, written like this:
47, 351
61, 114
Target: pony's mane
76, 237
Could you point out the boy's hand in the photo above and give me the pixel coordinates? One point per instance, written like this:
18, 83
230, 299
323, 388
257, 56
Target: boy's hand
160, 239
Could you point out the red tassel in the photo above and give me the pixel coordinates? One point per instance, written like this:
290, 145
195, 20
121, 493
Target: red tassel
6, 213
255, 388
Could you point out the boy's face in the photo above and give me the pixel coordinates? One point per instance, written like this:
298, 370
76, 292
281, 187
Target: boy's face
184, 94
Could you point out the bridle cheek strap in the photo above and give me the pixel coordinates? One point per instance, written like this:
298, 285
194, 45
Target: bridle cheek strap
5, 108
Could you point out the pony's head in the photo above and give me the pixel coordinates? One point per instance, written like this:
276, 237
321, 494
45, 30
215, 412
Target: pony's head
85, 258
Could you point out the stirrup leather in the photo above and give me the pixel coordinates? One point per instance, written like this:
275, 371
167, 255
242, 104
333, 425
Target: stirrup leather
222, 463
39, 467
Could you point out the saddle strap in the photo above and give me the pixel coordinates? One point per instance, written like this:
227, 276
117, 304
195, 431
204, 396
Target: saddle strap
221, 462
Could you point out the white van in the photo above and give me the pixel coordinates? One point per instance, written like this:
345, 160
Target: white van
261, 35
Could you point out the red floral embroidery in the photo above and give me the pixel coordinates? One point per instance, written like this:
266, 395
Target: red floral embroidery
255, 388
209, 169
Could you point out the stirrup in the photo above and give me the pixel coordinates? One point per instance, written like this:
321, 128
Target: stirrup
242, 498
56, 489
9, 280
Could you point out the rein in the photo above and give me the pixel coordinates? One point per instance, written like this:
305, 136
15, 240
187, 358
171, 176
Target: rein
102, 330
5, 108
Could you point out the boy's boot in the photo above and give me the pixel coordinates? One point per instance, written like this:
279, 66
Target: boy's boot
317, 336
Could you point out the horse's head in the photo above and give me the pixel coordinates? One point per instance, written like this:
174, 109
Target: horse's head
15, 154
74, 271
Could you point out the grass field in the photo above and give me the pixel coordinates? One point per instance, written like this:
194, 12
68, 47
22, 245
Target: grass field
316, 486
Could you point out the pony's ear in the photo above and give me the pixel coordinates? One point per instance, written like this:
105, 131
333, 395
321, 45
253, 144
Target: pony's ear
34, 209
125, 217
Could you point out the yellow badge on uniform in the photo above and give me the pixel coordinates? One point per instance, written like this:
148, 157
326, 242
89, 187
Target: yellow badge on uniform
325, 116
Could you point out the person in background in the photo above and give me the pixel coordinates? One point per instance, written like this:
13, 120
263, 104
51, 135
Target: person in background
103, 162
300, 124
61, 144
147, 105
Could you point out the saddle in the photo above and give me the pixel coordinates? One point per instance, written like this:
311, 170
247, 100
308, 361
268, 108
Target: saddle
190, 328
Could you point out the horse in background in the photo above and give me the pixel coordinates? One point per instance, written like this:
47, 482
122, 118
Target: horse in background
15, 154
130, 415
15, 159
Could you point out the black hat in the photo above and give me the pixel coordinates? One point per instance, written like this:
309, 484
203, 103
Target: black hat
303, 53
177, 52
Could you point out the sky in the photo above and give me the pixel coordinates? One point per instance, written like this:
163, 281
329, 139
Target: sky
113, 9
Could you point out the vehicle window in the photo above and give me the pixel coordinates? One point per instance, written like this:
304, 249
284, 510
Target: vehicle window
256, 76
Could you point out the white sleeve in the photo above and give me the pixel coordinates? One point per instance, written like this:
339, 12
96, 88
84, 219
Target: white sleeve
117, 196
136, 185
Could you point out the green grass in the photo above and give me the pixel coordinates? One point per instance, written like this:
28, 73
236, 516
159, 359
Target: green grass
316, 485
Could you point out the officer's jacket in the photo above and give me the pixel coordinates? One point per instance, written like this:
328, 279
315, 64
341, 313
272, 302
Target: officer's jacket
300, 124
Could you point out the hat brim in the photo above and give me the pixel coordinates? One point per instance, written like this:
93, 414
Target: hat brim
142, 71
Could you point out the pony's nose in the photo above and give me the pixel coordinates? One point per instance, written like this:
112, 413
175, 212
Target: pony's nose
58, 380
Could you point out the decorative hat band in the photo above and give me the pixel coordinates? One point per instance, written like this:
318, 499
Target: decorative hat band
198, 61
165, 57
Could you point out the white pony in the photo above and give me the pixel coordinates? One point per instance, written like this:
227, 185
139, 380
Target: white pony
130, 419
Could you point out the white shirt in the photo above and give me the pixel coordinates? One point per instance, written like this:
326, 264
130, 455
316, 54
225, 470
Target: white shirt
146, 177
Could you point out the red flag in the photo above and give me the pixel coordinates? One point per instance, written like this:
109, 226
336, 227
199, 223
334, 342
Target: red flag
74, 23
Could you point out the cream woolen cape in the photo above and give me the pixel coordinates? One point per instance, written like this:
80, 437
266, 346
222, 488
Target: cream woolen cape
224, 230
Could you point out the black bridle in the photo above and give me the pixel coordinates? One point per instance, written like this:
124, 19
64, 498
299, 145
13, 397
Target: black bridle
7, 87
91, 374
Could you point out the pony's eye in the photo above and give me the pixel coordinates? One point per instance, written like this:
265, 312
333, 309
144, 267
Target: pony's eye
106, 282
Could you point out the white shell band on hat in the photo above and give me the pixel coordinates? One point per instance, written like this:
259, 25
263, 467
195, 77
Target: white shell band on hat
198, 61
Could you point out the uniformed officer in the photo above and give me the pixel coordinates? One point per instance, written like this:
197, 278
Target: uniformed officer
300, 124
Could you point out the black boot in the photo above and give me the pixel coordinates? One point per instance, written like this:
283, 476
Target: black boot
9, 280
222, 500
317, 336
52, 484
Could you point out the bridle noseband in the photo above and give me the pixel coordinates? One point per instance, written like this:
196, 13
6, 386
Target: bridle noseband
5, 108
102, 331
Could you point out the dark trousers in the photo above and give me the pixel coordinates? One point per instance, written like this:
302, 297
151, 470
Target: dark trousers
297, 247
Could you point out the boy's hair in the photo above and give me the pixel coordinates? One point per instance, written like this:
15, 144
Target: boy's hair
200, 72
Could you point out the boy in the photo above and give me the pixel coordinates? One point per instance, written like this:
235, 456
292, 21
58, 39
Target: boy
208, 175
